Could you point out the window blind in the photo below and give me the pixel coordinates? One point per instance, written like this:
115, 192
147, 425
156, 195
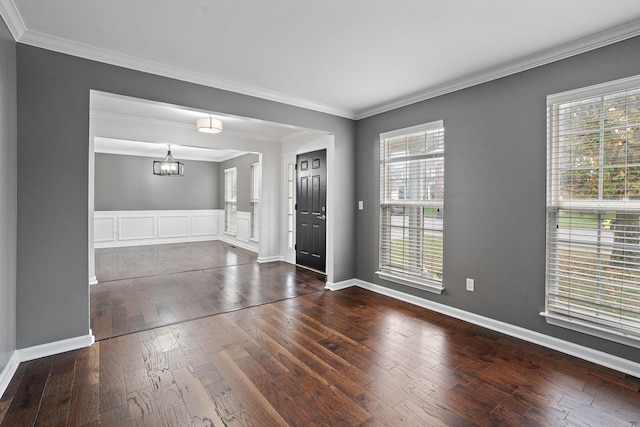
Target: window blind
256, 182
411, 204
593, 210
230, 200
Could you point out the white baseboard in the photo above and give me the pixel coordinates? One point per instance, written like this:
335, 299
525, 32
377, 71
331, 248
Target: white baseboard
56, 347
126, 243
250, 246
599, 357
340, 285
266, 259
8, 372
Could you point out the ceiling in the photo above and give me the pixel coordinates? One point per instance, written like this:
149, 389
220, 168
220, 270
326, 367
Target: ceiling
351, 58
138, 127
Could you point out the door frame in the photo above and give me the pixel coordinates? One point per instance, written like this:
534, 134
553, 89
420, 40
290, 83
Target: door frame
291, 149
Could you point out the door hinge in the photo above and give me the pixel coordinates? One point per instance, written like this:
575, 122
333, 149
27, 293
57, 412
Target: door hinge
295, 246
295, 166
295, 207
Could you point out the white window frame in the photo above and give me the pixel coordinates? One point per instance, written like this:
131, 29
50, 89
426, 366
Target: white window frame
231, 201
414, 271
565, 302
256, 185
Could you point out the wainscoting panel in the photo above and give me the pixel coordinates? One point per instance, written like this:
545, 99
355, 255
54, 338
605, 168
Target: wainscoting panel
105, 229
137, 227
243, 226
133, 228
204, 225
173, 226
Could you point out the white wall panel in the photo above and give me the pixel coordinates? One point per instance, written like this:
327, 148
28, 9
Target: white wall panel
243, 230
105, 229
173, 226
137, 227
132, 228
204, 225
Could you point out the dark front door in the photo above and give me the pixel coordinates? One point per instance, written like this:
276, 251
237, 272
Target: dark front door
311, 212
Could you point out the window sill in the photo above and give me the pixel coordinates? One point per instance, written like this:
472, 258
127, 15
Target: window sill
422, 285
591, 329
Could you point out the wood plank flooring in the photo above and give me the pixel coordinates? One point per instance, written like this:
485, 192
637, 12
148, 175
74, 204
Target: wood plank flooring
349, 357
149, 286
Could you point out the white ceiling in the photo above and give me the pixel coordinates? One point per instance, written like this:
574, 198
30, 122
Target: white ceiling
351, 58
138, 127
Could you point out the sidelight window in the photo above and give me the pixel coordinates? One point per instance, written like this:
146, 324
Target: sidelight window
256, 179
230, 200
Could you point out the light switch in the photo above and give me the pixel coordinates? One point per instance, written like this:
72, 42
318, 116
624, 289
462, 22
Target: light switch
360, 205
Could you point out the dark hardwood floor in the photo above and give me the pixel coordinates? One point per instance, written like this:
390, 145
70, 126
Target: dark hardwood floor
145, 287
349, 357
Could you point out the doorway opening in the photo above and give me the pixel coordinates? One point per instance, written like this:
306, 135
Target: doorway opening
123, 119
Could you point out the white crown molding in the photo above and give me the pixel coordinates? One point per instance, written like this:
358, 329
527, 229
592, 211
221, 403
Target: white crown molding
564, 51
12, 18
599, 357
68, 47
21, 34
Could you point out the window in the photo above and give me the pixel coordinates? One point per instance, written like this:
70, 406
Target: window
593, 211
230, 200
411, 206
256, 178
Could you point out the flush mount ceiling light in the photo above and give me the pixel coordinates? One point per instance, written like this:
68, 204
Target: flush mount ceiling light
169, 166
209, 125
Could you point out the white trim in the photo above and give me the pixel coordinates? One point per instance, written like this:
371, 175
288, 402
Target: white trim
94, 53
12, 18
435, 125
425, 286
558, 53
93, 280
340, 285
56, 347
579, 351
9, 371
196, 226
591, 329
232, 240
21, 34
266, 259
594, 90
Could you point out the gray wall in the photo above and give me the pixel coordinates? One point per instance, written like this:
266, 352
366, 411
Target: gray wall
53, 168
243, 163
128, 183
8, 201
495, 166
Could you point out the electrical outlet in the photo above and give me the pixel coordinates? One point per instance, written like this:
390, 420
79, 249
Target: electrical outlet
471, 285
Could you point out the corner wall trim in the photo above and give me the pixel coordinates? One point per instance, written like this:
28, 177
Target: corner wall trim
8, 372
56, 347
579, 351
93, 280
264, 259
239, 243
331, 286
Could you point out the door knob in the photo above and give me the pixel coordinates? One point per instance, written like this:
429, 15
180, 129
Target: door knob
322, 217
